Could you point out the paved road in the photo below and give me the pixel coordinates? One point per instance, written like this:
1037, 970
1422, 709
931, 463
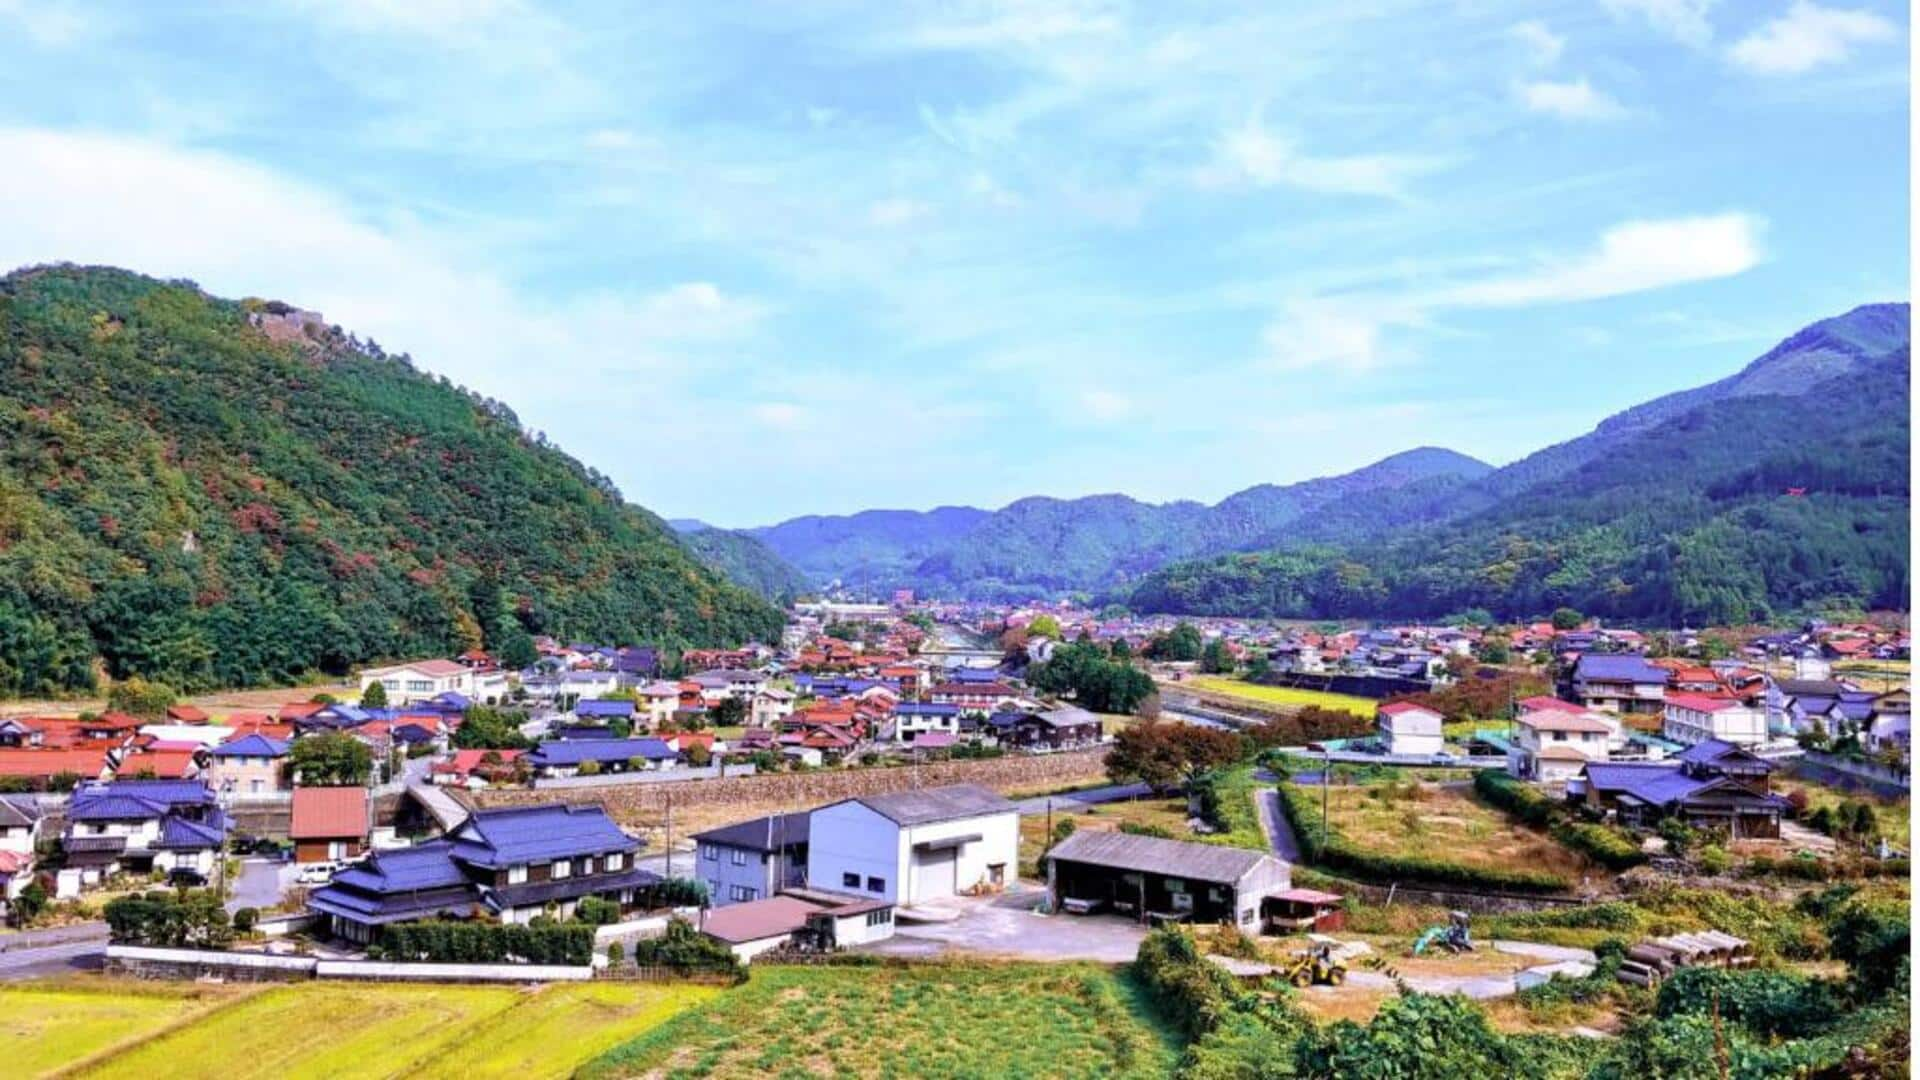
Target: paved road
261, 883
1278, 829
34, 954
1070, 801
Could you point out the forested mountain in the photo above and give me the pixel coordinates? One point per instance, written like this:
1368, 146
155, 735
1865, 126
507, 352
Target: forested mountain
213, 492
1041, 545
1782, 488
742, 559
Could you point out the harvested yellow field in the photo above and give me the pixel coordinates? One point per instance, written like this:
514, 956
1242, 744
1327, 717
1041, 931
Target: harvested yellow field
1278, 695
48, 1027
555, 1031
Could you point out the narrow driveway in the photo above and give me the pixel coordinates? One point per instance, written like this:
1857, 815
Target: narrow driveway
261, 884
1279, 830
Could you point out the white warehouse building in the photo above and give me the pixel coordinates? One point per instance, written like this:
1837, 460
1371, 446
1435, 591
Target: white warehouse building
910, 847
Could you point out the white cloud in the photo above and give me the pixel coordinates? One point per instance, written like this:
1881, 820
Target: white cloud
1252, 155
1106, 406
1542, 44
1352, 333
780, 415
889, 213
1684, 21
1574, 100
610, 139
240, 230
47, 24
1809, 36
1311, 332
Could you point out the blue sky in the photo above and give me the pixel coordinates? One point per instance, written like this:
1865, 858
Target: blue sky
754, 261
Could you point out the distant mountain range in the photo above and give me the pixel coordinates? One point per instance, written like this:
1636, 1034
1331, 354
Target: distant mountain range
1674, 509
742, 559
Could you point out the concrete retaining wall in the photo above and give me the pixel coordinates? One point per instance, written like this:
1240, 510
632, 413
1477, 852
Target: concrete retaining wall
512, 973
627, 779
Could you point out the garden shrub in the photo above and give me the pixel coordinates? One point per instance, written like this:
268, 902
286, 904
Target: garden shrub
445, 942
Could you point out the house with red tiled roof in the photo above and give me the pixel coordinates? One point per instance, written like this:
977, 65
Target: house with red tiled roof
329, 824
44, 767
477, 768
153, 763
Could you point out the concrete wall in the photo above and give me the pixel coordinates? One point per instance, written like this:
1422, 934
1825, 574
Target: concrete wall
848, 838
144, 962
672, 775
999, 843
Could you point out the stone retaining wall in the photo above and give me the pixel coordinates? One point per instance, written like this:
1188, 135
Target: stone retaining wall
803, 790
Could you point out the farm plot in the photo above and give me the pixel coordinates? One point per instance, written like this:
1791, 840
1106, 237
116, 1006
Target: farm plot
1410, 820
315, 1030
971, 1020
553, 1032
1284, 696
45, 1028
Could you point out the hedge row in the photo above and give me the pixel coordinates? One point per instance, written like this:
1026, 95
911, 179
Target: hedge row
442, 942
1338, 852
1529, 805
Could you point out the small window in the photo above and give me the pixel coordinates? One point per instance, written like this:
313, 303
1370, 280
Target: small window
849, 881
613, 862
739, 857
880, 918
516, 874
877, 884
713, 887
562, 868
708, 851
743, 892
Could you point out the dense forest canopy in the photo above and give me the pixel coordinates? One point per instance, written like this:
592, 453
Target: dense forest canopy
219, 493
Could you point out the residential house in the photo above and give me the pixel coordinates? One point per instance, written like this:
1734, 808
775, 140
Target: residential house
330, 824
511, 864
47, 769
1148, 877
752, 860
1621, 683
658, 700
912, 718
770, 706
140, 825
420, 680
1713, 783
606, 711
806, 918
20, 822
1694, 718
477, 768
1552, 746
910, 847
1049, 729
250, 764
1410, 729
566, 757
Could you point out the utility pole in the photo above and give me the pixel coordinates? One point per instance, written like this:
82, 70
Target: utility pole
1326, 792
669, 836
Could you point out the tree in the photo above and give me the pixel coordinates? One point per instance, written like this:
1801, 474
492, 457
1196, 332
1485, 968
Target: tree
486, 728
1166, 753
330, 760
1566, 618
374, 696
1216, 659
1182, 644
729, 712
138, 697
517, 651
1120, 650
30, 904
1494, 650
1045, 626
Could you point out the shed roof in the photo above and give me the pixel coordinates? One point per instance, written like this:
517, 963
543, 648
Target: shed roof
328, 812
1151, 854
928, 805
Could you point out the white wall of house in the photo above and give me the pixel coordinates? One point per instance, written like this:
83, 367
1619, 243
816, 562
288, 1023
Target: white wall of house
849, 844
747, 950
1415, 732
861, 929
1742, 725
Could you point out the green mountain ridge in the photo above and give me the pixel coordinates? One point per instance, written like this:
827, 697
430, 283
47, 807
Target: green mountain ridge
742, 559
1782, 488
222, 493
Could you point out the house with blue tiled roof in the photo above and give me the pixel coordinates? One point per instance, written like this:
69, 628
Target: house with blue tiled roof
138, 826
1711, 784
564, 757
250, 764
1617, 682
510, 864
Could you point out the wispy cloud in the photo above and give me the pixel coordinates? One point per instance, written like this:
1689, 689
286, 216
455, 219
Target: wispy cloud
1251, 155
1542, 45
1571, 100
1351, 333
1809, 36
1684, 21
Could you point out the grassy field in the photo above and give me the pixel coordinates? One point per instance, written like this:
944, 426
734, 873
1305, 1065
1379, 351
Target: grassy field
1895, 815
979, 1020
48, 1027
1277, 695
334, 1030
1426, 820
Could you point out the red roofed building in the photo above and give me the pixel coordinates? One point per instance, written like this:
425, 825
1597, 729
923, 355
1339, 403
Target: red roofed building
1410, 729
186, 714
160, 764
471, 768
329, 823
1695, 718
43, 766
